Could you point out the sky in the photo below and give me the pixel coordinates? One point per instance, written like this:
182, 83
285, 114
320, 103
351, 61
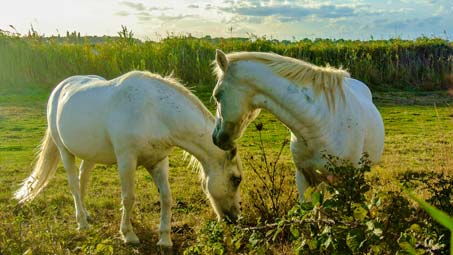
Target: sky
283, 20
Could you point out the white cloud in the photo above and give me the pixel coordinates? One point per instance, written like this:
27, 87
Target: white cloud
122, 13
283, 19
134, 5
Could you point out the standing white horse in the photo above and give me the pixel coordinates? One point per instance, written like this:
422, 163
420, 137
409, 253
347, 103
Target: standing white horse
135, 119
326, 111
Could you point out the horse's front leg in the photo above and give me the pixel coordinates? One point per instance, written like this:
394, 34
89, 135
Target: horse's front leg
301, 183
160, 177
127, 165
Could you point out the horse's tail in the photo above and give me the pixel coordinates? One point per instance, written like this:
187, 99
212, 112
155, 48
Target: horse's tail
44, 170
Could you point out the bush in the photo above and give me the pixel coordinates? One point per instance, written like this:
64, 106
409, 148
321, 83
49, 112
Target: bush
273, 191
346, 217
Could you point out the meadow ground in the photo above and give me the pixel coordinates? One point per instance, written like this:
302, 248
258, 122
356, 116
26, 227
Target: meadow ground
419, 136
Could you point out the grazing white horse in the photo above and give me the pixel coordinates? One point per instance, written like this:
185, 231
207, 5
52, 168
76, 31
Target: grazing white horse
326, 111
135, 119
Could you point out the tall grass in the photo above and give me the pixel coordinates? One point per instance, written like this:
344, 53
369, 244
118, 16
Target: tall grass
421, 64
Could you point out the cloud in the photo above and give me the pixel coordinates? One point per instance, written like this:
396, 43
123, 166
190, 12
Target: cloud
209, 7
411, 23
287, 13
343, 19
144, 13
155, 8
122, 13
143, 16
290, 11
177, 17
133, 5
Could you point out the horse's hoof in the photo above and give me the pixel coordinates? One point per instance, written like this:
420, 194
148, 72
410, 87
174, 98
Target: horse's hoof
83, 226
131, 238
165, 243
89, 219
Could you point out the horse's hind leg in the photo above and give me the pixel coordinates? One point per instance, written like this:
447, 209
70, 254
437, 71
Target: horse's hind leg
71, 170
84, 176
127, 165
160, 178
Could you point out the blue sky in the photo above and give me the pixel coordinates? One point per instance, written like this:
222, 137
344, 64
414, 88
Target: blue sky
289, 19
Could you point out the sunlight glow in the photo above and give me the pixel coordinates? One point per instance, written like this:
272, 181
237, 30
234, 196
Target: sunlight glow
151, 19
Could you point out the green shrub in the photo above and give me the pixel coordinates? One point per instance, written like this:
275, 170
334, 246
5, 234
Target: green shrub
349, 216
273, 191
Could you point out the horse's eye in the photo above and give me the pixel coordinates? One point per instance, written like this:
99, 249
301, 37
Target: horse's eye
236, 180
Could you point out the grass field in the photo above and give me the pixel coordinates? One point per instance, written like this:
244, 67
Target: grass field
419, 136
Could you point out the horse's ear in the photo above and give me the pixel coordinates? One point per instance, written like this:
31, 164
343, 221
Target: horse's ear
221, 60
232, 153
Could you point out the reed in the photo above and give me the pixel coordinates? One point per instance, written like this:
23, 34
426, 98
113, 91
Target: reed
421, 64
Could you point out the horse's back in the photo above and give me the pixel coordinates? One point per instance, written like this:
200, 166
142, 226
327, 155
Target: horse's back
96, 119
136, 117
359, 88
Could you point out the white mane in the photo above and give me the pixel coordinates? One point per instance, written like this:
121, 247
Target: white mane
323, 79
177, 85
193, 163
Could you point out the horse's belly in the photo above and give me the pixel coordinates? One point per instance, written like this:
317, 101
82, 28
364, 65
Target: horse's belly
88, 145
85, 137
153, 154
103, 155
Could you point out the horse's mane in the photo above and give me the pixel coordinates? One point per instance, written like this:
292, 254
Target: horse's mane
175, 83
323, 79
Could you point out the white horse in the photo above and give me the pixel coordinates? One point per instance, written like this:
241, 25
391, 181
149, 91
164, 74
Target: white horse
135, 119
326, 111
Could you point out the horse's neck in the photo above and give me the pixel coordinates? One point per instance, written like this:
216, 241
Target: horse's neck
195, 135
299, 108
201, 147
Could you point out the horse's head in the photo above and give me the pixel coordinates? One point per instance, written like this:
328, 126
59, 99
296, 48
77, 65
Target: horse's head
221, 184
234, 105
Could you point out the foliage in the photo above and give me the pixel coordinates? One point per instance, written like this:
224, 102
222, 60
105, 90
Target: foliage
346, 217
434, 183
272, 193
212, 239
441, 217
340, 218
125, 34
422, 64
440, 201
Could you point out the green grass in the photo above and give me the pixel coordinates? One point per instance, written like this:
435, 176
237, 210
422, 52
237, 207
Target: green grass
419, 129
418, 137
